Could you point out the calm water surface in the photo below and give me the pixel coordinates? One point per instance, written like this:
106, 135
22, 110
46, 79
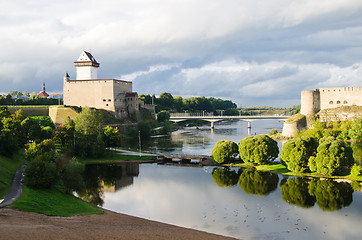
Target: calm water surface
242, 203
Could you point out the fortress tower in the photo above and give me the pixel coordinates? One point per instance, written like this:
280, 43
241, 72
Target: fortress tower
86, 67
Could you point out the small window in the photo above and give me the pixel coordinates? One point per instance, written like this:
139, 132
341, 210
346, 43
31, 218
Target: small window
338, 102
331, 102
345, 102
109, 100
104, 100
107, 104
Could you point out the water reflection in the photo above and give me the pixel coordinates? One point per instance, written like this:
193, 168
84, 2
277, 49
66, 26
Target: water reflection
100, 178
295, 191
258, 182
224, 177
331, 195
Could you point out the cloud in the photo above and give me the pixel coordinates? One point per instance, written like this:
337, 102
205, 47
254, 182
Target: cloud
206, 47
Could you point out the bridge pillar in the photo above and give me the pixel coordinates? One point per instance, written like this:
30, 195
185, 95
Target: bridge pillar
212, 125
249, 124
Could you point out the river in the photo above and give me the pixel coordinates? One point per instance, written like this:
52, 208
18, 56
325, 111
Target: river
242, 203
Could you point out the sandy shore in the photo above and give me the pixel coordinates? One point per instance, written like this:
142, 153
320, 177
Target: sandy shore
16, 224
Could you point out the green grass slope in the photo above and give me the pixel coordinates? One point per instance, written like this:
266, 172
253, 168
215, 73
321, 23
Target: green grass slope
8, 167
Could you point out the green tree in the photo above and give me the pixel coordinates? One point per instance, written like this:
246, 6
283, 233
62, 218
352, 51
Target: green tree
331, 158
224, 177
296, 153
258, 149
295, 191
165, 101
355, 133
331, 195
89, 134
224, 151
258, 182
111, 136
163, 116
89, 122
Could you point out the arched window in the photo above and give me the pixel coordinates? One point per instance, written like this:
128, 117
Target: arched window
338, 102
345, 102
331, 102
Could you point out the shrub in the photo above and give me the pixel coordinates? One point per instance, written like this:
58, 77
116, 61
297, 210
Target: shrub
273, 132
258, 149
331, 158
40, 174
356, 170
296, 153
224, 151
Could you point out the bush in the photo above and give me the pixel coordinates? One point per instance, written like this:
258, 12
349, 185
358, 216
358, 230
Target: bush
224, 151
40, 174
296, 153
356, 170
331, 158
258, 149
273, 132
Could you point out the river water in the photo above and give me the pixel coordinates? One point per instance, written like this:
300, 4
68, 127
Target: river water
242, 203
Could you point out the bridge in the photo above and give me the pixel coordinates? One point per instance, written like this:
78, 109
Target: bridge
179, 117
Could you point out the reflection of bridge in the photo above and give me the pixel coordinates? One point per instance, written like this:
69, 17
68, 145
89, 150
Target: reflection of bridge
179, 117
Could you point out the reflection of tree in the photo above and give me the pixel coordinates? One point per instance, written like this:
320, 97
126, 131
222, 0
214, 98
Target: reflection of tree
224, 177
95, 176
331, 195
258, 182
295, 191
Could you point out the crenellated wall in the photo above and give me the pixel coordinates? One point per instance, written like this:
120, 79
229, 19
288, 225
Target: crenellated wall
325, 98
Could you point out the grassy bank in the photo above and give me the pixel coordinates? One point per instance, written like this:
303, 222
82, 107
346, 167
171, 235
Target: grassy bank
8, 167
281, 169
53, 202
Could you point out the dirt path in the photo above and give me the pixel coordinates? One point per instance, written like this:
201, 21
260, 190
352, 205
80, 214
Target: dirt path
16, 188
16, 224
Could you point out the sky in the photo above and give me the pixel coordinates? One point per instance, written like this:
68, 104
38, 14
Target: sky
253, 52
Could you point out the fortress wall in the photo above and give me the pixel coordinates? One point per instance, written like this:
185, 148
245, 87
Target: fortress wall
337, 97
100, 93
59, 114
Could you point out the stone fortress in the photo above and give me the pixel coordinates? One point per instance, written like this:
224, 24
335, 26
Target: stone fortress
319, 100
88, 91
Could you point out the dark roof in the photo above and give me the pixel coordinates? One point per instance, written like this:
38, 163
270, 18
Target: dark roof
131, 94
91, 57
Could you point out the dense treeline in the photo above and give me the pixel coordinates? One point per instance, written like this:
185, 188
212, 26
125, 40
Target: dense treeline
193, 104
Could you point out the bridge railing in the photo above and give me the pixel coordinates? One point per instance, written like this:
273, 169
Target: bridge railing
198, 114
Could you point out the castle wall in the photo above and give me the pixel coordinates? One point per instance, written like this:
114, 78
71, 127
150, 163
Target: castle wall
337, 97
97, 93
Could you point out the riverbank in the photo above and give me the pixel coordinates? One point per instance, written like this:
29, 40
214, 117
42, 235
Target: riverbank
15, 224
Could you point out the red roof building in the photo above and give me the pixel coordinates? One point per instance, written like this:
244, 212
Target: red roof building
43, 93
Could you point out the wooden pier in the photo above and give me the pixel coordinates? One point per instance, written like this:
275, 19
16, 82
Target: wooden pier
186, 159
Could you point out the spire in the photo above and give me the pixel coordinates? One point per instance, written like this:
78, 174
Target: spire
43, 89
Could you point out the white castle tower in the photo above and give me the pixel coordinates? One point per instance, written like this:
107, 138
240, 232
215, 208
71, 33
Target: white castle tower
86, 67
